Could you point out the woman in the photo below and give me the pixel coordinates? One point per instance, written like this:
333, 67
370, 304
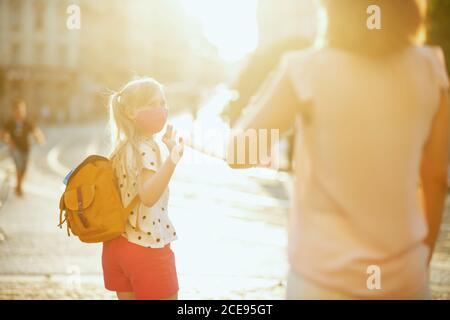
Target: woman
371, 116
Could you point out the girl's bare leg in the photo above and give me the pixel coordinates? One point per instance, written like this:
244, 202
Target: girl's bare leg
130, 296
174, 297
125, 295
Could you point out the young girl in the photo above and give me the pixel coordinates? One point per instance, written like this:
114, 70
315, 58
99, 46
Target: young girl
140, 263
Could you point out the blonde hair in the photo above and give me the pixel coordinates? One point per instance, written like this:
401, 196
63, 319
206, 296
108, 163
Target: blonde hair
123, 131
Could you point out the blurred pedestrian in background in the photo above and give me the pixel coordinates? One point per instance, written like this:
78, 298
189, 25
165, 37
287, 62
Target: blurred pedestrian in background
15, 134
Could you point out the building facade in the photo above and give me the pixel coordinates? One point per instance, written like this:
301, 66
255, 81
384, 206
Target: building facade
66, 74
38, 57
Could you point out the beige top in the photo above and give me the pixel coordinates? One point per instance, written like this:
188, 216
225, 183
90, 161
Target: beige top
355, 201
154, 227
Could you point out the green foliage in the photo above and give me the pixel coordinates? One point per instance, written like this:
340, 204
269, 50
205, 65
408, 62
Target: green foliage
438, 26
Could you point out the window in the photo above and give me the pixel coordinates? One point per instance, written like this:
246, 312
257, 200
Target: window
39, 53
63, 55
16, 89
15, 14
62, 15
38, 92
16, 52
39, 14
63, 95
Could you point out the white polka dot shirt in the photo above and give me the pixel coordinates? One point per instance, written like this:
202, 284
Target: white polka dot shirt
146, 226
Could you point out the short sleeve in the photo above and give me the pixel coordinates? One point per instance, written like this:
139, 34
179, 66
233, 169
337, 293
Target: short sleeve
149, 156
286, 77
437, 60
297, 66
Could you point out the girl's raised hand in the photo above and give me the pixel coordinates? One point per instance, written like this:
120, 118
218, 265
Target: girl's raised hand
174, 145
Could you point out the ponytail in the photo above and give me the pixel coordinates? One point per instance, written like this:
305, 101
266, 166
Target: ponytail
123, 131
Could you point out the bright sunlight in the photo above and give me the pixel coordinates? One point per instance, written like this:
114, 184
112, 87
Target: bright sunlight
229, 25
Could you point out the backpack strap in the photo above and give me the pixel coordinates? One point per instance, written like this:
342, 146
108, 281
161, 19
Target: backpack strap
130, 207
62, 208
80, 211
61, 221
132, 204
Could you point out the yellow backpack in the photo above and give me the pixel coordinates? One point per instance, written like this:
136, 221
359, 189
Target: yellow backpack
92, 203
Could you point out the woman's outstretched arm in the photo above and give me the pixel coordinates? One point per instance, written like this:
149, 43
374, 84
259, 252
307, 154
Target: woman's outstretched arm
273, 108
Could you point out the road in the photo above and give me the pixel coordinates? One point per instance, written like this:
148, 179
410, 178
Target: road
231, 227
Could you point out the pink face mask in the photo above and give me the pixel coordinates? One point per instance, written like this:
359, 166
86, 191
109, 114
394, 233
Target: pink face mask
151, 120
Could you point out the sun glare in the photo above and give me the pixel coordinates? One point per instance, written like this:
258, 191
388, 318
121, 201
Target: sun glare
229, 25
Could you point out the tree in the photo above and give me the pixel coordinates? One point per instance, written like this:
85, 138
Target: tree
438, 26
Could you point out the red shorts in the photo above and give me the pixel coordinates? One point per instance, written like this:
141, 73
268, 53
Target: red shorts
149, 273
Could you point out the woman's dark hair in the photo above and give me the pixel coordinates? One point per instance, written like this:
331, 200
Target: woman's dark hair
401, 23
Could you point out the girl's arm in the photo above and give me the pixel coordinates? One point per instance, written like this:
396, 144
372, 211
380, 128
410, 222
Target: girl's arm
151, 184
434, 171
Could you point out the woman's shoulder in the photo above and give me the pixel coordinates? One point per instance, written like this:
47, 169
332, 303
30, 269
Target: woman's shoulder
430, 50
313, 53
434, 53
299, 67
300, 56
434, 56
303, 64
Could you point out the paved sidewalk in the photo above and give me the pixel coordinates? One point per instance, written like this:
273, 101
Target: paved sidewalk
233, 248
242, 220
440, 265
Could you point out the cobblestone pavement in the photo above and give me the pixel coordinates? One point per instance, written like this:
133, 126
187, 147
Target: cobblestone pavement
231, 248
234, 240
440, 265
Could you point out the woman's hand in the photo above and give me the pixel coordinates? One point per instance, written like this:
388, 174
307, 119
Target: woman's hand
174, 145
